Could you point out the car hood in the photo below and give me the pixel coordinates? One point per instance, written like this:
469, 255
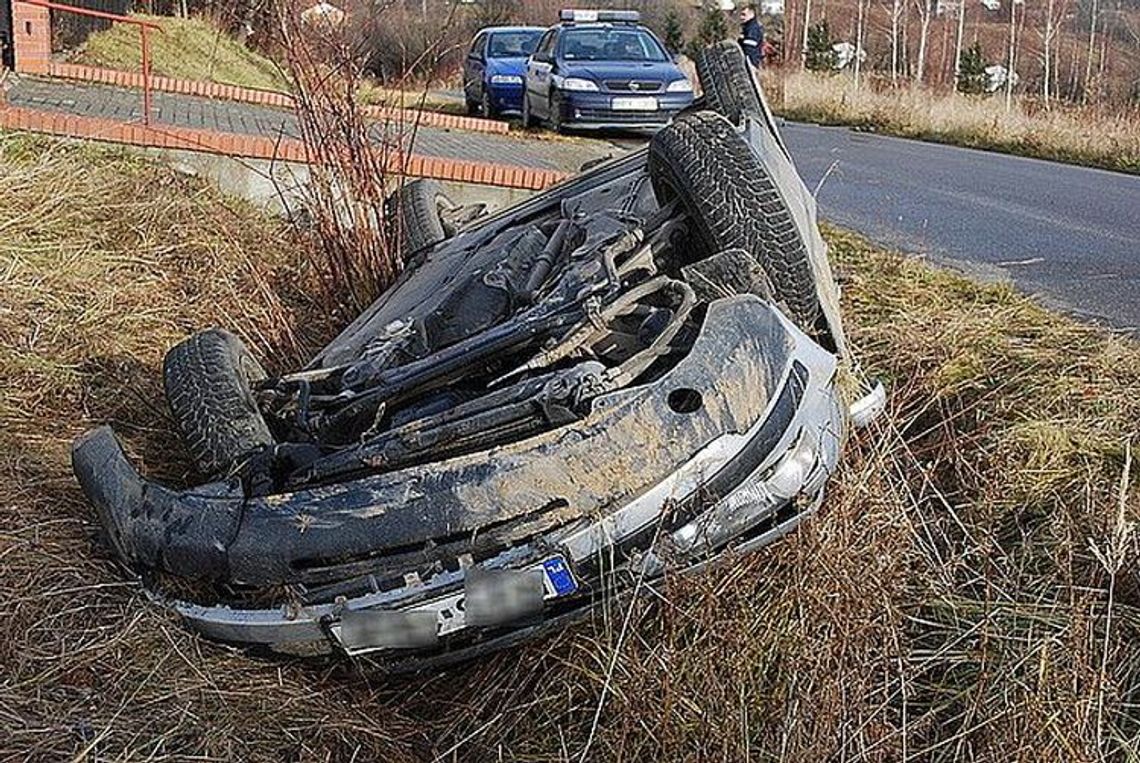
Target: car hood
662, 71
506, 66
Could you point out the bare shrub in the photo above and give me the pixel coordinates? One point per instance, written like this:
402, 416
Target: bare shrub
413, 46
349, 160
410, 46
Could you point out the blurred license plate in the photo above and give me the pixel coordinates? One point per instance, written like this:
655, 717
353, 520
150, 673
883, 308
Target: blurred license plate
368, 630
635, 104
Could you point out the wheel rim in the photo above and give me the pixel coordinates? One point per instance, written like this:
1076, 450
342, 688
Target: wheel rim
443, 205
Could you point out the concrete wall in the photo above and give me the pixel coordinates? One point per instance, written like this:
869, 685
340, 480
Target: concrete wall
279, 186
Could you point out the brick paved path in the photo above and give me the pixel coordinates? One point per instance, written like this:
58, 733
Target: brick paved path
123, 104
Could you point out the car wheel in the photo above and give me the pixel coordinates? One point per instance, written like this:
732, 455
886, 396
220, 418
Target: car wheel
472, 107
701, 161
209, 380
487, 107
731, 87
415, 218
527, 119
555, 112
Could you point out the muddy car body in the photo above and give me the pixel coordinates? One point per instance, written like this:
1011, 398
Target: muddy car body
564, 400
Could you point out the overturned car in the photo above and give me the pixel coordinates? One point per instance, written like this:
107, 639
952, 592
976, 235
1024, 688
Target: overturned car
632, 372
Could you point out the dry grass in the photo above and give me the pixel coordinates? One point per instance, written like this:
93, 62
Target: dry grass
418, 96
966, 593
1091, 136
193, 48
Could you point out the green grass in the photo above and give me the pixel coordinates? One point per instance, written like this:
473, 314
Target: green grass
966, 592
191, 48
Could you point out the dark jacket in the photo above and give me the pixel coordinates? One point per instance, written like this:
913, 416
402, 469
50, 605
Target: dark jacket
752, 40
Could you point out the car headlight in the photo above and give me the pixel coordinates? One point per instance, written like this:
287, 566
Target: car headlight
680, 86
506, 79
581, 85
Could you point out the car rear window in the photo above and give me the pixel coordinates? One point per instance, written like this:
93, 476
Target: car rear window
514, 44
610, 44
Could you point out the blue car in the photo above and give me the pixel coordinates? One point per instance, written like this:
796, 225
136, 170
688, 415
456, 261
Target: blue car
601, 69
494, 69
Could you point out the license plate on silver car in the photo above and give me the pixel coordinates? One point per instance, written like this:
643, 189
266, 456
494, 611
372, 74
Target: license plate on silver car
367, 631
635, 104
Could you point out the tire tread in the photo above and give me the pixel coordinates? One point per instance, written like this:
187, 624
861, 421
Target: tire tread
207, 380
734, 204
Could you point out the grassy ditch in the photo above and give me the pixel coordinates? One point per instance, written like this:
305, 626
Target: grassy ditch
192, 48
1087, 136
967, 591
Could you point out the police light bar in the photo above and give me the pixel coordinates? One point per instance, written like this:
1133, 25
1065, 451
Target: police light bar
586, 17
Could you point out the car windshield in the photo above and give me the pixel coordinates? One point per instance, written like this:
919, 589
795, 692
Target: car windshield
513, 44
610, 44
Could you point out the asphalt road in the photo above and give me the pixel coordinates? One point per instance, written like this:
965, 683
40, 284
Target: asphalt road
1068, 235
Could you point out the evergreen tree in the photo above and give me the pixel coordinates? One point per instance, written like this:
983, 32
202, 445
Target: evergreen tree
674, 32
820, 55
972, 71
713, 29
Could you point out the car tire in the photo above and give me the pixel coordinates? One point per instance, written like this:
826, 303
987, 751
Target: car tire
527, 118
731, 88
728, 84
414, 216
472, 107
701, 161
486, 107
555, 120
209, 380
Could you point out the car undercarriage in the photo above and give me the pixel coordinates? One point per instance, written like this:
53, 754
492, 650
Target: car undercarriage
630, 373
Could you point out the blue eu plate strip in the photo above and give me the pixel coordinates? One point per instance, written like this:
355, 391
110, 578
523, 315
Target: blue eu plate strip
559, 577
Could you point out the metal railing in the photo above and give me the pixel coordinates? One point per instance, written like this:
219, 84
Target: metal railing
143, 26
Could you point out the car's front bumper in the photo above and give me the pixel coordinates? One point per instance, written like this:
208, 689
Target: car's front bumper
590, 110
505, 97
742, 489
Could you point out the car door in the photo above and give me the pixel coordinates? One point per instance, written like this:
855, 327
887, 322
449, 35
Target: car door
538, 72
474, 67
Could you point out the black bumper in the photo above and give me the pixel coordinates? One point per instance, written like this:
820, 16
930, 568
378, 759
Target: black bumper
415, 519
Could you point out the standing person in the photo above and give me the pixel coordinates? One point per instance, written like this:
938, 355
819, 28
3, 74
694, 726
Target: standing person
752, 36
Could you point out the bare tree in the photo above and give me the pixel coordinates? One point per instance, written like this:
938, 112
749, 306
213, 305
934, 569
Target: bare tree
1094, 14
859, 41
1048, 40
896, 19
958, 41
804, 41
1011, 59
787, 44
925, 10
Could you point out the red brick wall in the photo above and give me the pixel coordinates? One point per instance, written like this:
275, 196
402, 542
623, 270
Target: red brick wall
31, 38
